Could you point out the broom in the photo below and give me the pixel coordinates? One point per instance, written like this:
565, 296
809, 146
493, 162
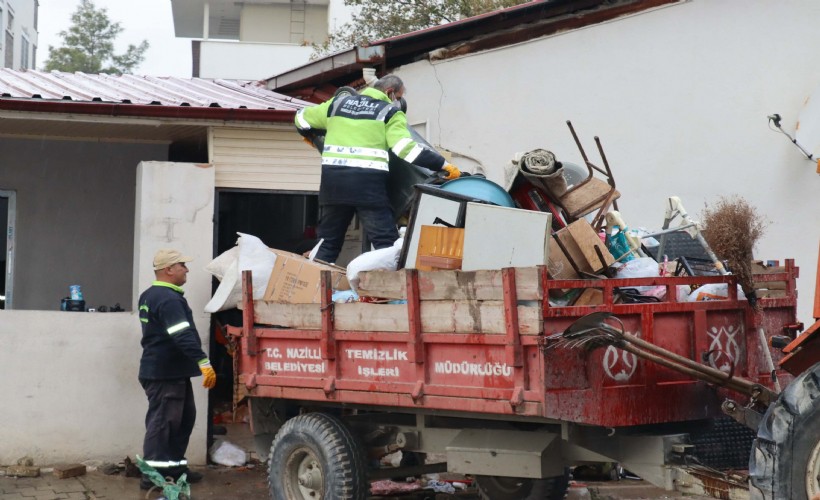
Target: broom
732, 228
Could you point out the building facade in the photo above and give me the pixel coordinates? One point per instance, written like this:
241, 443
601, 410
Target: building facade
253, 40
18, 44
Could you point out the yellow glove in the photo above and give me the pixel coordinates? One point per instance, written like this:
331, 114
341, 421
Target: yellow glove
208, 374
452, 171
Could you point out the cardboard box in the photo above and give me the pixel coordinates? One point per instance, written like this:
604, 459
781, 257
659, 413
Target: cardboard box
297, 280
580, 241
558, 265
590, 297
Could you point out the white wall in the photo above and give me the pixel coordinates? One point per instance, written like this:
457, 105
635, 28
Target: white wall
175, 208
679, 97
284, 23
249, 61
69, 384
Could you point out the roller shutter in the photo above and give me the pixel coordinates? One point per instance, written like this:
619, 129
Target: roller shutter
269, 159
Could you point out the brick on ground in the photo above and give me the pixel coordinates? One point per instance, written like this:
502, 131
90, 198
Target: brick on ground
22, 471
66, 471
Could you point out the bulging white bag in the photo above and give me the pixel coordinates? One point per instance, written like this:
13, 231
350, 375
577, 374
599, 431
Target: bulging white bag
383, 259
249, 254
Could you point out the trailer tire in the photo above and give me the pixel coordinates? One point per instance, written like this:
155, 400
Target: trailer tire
785, 458
316, 456
518, 488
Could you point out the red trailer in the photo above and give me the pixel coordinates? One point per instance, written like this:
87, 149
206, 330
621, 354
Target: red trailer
473, 368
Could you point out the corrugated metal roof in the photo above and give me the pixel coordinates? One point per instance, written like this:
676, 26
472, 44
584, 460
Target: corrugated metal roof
142, 90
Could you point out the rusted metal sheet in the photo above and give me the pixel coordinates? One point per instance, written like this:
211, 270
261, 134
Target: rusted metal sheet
142, 90
522, 375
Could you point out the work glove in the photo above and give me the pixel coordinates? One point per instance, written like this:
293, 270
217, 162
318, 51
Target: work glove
208, 374
452, 171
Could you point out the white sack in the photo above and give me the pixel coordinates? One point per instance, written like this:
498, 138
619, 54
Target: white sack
229, 454
249, 254
384, 259
712, 291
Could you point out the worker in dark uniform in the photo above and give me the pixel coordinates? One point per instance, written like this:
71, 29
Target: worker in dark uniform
172, 354
361, 129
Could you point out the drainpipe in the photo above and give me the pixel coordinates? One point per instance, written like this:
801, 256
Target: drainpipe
206, 20
369, 75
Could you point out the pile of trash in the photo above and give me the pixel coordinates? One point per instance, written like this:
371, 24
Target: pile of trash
549, 212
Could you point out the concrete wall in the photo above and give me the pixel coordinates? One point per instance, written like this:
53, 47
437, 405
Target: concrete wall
70, 389
279, 22
75, 218
249, 61
175, 209
679, 97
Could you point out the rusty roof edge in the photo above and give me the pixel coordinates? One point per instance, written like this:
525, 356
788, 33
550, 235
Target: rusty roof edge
397, 49
147, 110
312, 72
339, 62
543, 27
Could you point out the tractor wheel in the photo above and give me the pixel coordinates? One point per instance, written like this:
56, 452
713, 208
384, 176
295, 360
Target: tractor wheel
517, 488
314, 456
785, 459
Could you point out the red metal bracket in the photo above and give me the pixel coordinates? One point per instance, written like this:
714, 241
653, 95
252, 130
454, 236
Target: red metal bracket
330, 386
250, 381
517, 398
247, 312
415, 343
418, 392
328, 341
514, 351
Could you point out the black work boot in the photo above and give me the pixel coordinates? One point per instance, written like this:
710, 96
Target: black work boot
146, 483
193, 476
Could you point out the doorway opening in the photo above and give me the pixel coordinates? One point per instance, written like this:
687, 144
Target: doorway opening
285, 220
7, 231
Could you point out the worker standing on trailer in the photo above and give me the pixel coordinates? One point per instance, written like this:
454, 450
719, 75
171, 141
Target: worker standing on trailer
172, 354
361, 129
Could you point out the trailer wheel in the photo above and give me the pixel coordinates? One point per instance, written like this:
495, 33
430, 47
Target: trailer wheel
315, 456
518, 488
785, 459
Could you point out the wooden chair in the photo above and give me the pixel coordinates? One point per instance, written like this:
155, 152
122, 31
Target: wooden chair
591, 194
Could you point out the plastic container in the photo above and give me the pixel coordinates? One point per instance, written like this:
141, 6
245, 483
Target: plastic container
480, 188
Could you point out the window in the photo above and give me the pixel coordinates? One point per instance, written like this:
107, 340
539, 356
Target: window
24, 45
9, 59
7, 216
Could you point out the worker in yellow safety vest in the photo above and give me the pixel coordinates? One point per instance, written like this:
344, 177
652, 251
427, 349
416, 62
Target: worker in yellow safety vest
360, 131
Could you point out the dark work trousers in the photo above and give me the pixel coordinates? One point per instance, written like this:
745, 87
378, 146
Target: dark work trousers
168, 424
377, 223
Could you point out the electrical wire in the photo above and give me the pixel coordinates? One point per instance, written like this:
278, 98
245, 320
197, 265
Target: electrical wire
778, 128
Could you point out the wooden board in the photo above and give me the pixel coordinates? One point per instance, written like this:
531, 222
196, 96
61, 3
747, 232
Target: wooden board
455, 285
588, 197
580, 241
437, 316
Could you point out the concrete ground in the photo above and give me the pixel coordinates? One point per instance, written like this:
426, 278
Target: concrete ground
250, 483
224, 483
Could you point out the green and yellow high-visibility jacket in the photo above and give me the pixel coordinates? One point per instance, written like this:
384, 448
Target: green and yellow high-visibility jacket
361, 129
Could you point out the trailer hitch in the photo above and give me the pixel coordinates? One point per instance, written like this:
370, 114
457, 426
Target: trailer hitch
595, 330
